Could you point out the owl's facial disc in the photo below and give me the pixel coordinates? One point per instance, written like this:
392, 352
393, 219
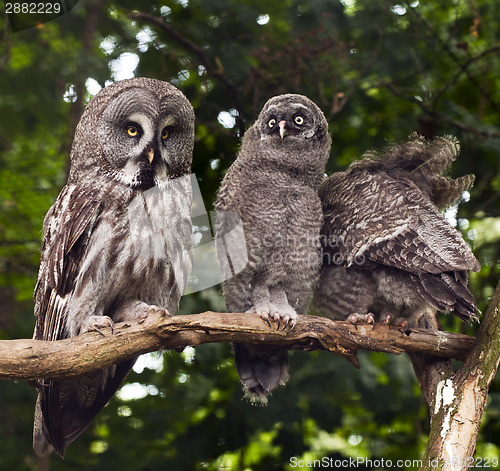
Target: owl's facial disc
144, 139
293, 120
146, 150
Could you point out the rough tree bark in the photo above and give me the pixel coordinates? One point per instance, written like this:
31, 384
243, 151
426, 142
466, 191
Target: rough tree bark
34, 359
458, 399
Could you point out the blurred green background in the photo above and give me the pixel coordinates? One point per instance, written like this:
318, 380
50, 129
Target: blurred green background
379, 71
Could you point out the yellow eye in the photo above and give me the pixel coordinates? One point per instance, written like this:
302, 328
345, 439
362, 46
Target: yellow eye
271, 123
164, 133
299, 120
132, 131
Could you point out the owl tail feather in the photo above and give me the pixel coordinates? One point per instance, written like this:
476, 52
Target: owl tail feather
261, 370
65, 408
40, 445
448, 292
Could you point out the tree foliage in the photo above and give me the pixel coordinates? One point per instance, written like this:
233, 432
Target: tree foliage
379, 71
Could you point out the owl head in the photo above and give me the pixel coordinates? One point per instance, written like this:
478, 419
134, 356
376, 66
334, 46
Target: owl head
139, 132
291, 133
288, 117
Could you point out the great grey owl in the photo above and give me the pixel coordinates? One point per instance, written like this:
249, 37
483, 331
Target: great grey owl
273, 187
388, 253
115, 241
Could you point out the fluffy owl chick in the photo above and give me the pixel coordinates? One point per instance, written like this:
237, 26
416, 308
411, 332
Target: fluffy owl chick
387, 251
115, 241
273, 188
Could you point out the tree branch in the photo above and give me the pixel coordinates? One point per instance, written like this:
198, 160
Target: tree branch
459, 399
430, 370
463, 67
35, 359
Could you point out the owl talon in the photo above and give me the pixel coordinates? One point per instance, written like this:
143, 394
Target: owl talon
261, 312
264, 315
96, 323
277, 319
357, 318
153, 309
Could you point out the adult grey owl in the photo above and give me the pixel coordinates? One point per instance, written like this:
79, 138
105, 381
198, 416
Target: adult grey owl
273, 188
116, 240
388, 253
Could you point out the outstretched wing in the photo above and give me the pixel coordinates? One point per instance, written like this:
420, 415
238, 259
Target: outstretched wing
374, 218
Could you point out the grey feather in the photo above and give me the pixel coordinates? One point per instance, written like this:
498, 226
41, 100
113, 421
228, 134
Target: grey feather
272, 186
116, 239
387, 250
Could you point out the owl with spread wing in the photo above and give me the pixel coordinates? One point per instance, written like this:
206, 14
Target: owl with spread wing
389, 255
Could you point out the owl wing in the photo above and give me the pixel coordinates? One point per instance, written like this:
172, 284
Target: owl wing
391, 222
373, 220
67, 229
65, 408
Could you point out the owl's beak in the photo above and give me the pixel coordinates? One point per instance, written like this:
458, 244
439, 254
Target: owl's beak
150, 153
282, 126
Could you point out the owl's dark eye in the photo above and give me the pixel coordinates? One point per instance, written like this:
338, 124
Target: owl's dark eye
133, 130
271, 123
165, 133
299, 120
